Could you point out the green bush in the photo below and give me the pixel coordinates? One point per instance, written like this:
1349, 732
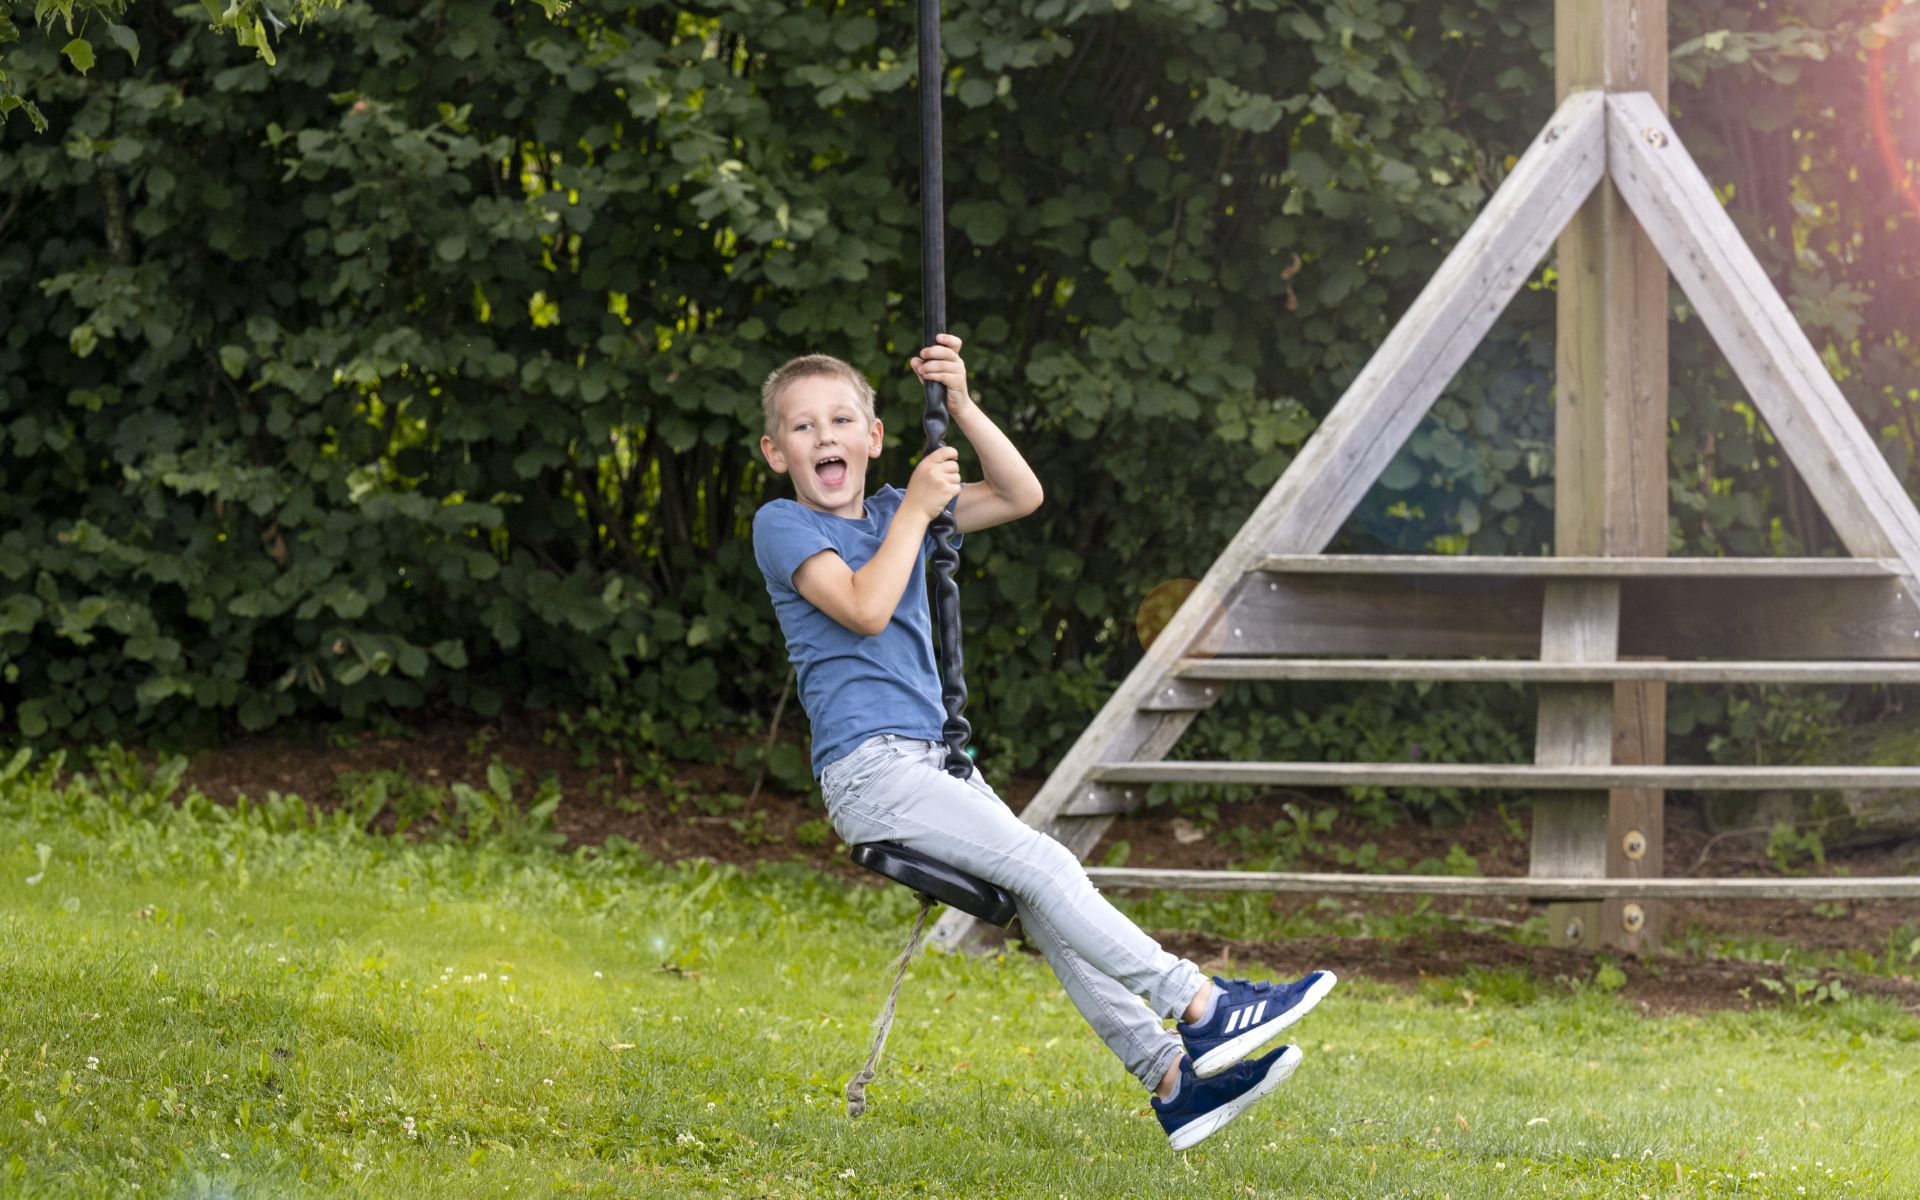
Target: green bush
418, 370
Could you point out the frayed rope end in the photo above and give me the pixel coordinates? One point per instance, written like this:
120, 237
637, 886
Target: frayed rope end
857, 1086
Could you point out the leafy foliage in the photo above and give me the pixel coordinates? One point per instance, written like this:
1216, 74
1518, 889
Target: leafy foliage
421, 367
251, 23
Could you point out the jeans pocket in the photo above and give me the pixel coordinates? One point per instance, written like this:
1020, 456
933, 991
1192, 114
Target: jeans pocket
851, 771
856, 822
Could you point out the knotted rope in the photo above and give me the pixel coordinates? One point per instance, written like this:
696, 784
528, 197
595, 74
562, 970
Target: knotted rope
857, 1086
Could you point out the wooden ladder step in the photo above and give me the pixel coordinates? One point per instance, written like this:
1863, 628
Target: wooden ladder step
1571, 567
1521, 670
1521, 776
1521, 887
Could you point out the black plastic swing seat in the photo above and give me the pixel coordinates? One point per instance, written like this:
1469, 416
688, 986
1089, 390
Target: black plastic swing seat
936, 880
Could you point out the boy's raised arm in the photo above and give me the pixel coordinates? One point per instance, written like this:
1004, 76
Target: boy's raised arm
865, 600
1010, 489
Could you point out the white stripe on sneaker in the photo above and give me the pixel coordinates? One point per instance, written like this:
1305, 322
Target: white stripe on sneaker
1244, 1037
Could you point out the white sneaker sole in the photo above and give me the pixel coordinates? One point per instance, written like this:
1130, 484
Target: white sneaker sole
1201, 1128
1253, 1040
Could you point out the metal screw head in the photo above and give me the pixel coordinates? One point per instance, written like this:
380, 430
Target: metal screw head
1633, 918
1576, 929
1634, 844
1655, 137
1236, 633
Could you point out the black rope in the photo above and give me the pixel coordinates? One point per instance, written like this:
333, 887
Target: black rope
943, 587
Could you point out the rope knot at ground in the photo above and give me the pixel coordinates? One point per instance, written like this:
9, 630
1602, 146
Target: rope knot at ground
857, 1086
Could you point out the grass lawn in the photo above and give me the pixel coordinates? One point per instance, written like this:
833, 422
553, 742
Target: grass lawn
265, 1001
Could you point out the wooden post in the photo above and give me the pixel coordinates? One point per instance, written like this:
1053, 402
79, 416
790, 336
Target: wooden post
1611, 490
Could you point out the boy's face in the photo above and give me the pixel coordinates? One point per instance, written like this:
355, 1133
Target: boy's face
824, 442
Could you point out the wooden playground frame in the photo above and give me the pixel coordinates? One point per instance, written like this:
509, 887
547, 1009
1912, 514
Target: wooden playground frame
1605, 624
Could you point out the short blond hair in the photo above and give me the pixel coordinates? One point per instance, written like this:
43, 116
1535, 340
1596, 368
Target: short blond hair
801, 368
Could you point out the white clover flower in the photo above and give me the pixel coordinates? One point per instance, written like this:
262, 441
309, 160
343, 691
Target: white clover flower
93, 1064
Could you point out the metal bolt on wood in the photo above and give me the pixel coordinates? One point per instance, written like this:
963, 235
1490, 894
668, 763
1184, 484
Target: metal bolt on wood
1633, 918
1634, 844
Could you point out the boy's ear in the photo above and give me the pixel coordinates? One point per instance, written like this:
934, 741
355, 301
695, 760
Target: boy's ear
771, 453
876, 438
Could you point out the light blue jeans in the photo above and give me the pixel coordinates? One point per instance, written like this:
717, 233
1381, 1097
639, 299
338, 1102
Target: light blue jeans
894, 788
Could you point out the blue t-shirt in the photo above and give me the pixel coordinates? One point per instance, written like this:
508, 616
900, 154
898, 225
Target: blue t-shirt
852, 686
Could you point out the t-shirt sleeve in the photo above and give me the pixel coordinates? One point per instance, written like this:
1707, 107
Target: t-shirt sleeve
783, 538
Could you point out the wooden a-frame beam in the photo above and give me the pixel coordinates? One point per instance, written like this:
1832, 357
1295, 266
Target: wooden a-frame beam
1305, 508
1789, 384
1627, 138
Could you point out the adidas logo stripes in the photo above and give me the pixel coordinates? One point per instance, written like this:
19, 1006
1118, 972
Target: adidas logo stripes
1245, 1018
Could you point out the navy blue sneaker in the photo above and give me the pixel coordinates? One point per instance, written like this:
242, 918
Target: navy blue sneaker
1247, 1016
1203, 1106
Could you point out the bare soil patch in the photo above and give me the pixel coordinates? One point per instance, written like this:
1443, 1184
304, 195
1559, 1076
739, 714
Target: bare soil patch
656, 806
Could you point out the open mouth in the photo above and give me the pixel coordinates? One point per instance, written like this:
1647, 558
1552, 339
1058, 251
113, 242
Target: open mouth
831, 471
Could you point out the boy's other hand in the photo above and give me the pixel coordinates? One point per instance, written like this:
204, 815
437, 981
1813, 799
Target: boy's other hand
941, 364
935, 481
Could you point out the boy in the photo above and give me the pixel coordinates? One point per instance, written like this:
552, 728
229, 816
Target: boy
845, 572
